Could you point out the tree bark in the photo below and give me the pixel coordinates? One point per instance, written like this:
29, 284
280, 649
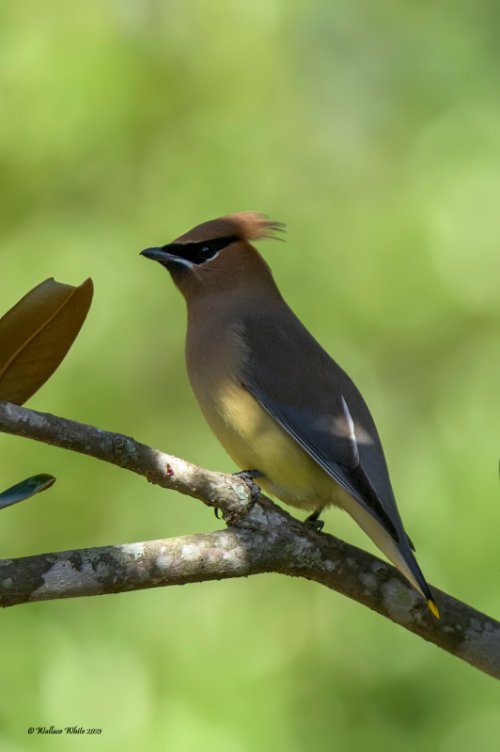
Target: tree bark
260, 537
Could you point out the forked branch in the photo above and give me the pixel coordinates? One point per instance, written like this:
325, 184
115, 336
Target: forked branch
259, 538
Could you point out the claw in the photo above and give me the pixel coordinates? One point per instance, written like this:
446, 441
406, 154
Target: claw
314, 521
248, 476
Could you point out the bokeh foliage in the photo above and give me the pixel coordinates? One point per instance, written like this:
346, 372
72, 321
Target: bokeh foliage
373, 131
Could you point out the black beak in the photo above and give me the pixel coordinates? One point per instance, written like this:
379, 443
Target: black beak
157, 254
166, 258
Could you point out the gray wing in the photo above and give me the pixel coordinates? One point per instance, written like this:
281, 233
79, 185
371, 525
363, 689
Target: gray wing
316, 403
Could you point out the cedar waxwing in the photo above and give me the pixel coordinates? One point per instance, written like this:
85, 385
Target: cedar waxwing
277, 402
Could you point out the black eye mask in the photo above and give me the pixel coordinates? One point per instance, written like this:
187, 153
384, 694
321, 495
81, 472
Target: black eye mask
198, 253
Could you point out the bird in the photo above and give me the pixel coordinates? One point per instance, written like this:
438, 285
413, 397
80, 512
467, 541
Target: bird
282, 408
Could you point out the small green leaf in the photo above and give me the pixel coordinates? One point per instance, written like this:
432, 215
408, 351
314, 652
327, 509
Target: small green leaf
25, 489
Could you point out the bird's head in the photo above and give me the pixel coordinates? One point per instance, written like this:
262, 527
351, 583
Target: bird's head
216, 255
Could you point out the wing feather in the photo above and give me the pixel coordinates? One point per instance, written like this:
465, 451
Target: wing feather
318, 405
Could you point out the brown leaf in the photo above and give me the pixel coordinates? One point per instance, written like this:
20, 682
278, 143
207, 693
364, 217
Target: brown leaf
36, 334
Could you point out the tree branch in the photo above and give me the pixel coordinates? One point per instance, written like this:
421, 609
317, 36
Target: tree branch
260, 538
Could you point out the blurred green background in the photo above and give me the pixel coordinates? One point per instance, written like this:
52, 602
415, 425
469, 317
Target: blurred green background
373, 131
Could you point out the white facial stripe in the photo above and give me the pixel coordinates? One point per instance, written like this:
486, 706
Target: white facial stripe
192, 264
183, 262
210, 259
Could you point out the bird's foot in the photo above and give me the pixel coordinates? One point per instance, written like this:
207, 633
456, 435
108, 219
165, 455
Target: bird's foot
248, 476
314, 521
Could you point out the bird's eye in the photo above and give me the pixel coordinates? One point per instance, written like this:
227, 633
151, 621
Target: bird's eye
205, 252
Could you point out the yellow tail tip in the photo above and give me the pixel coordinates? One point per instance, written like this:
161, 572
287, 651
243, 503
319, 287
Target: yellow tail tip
433, 609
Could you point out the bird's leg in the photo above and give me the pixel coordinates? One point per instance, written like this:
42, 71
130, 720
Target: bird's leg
248, 476
314, 521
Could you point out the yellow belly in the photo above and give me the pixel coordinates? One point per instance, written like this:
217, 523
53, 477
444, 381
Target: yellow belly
256, 442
